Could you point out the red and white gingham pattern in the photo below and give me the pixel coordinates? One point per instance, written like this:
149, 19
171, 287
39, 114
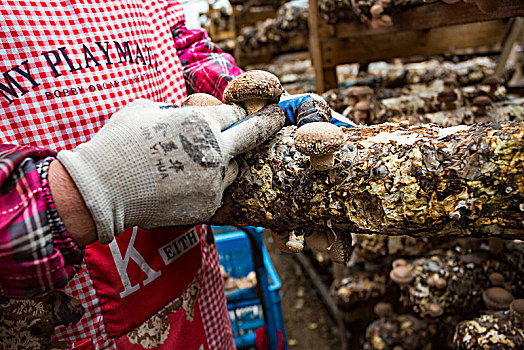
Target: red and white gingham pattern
30, 31
91, 326
216, 319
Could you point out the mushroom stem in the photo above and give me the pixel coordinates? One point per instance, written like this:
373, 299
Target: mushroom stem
295, 242
322, 162
254, 105
318, 241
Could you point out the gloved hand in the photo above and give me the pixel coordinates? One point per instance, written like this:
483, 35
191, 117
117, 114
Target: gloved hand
301, 109
154, 165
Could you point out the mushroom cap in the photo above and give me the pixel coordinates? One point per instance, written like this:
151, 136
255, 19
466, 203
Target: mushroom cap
492, 80
318, 241
339, 249
447, 95
481, 101
362, 106
487, 5
376, 10
497, 298
386, 21
295, 242
516, 309
253, 84
201, 99
436, 281
496, 279
451, 81
399, 262
434, 310
383, 309
318, 138
401, 275
358, 91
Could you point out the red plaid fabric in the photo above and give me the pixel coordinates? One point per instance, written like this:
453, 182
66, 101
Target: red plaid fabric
31, 258
206, 68
65, 68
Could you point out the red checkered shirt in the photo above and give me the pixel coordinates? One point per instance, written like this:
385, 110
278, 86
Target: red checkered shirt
66, 67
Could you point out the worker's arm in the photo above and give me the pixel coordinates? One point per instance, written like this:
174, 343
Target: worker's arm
208, 69
36, 252
155, 165
70, 205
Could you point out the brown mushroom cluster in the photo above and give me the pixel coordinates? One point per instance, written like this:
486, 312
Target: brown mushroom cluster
232, 283
430, 92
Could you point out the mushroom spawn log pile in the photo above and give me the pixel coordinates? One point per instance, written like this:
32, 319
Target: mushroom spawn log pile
377, 12
291, 21
444, 93
458, 283
494, 330
387, 179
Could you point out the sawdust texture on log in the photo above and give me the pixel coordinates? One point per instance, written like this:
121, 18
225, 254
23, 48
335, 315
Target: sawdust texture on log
423, 181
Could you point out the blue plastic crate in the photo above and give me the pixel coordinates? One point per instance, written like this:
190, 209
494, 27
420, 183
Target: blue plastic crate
244, 305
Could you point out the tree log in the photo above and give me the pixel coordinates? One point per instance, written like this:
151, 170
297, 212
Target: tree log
400, 331
422, 181
422, 110
466, 276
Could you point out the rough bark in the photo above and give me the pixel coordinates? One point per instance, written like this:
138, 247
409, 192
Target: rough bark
495, 330
400, 332
422, 181
418, 110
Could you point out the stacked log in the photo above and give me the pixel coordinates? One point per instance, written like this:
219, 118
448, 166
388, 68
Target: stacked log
365, 11
291, 21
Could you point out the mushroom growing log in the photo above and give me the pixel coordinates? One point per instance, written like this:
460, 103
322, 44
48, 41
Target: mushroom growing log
415, 110
422, 181
495, 330
462, 283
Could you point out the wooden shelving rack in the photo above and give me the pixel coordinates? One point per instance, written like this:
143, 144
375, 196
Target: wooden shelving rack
268, 53
219, 34
430, 29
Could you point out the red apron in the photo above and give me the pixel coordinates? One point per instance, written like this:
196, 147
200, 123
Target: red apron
67, 66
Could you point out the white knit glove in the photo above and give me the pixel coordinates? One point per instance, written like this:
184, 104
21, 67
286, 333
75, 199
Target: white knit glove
156, 165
